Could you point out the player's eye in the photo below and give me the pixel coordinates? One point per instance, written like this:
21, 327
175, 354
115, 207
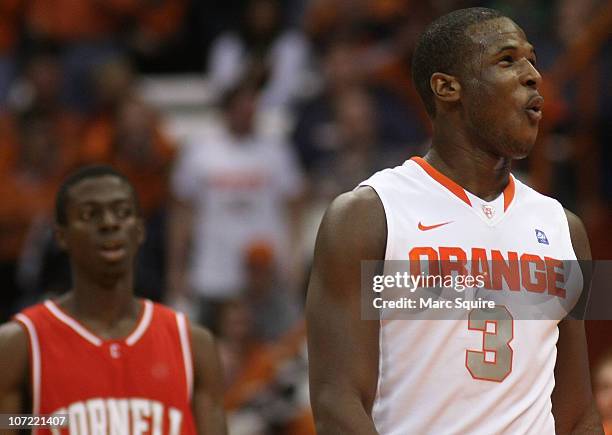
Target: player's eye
507, 59
86, 214
123, 211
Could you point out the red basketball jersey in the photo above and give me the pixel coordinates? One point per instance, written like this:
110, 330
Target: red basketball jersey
141, 384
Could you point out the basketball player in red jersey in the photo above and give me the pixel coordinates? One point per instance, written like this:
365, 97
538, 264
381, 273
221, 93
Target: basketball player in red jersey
475, 71
115, 364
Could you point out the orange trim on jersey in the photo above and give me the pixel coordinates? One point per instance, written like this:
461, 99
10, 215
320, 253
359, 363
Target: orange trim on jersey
509, 192
457, 190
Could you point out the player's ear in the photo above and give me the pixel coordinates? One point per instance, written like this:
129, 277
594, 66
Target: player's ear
445, 87
60, 236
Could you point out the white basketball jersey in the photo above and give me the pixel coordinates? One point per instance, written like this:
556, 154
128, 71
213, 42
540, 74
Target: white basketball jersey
443, 376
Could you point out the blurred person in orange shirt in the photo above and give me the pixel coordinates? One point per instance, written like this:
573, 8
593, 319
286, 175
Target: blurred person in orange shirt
266, 384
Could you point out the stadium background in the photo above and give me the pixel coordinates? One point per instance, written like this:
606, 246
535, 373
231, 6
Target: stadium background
146, 85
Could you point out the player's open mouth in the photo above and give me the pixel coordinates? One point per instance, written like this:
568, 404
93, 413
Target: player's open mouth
112, 251
534, 114
534, 108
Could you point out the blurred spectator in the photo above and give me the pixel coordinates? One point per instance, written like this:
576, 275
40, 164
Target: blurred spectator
35, 163
232, 188
85, 30
113, 81
157, 23
261, 47
38, 91
384, 35
266, 384
602, 385
233, 324
327, 126
274, 308
132, 139
89, 32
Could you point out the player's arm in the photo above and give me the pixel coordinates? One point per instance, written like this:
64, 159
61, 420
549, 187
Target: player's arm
342, 348
572, 399
14, 367
207, 401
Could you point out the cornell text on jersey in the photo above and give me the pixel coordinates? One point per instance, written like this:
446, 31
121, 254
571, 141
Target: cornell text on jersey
120, 417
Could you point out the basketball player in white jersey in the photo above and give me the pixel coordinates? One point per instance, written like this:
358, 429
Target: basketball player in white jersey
475, 71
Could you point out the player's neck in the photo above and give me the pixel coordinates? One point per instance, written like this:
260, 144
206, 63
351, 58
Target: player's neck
481, 173
106, 302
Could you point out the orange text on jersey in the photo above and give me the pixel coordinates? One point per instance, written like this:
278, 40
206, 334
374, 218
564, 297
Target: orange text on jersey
526, 271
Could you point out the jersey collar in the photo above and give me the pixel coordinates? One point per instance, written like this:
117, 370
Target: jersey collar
456, 189
141, 325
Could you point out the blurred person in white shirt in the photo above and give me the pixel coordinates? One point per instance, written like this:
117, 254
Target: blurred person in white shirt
261, 45
231, 188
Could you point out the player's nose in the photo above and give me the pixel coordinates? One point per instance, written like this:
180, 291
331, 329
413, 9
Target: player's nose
531, 76
109, 220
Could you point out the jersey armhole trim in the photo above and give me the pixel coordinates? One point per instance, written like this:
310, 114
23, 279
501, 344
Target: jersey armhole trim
34, 347
185, 340
388, 220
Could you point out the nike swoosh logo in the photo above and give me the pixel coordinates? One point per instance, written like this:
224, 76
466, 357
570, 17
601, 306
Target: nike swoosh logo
431, 227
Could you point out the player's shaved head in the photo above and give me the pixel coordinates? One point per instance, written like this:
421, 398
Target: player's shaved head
93, 171
445, 47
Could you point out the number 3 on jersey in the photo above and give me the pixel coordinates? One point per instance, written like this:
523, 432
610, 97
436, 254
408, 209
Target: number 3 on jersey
494, 362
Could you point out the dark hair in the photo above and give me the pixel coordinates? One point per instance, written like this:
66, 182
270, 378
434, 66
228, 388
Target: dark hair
442, 47
92, 171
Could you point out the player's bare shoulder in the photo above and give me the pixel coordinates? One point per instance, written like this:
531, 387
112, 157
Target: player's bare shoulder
202, 340
207, 368
13, 347
355, 220
14, 365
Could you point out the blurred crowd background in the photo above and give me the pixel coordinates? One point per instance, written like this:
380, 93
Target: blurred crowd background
238, 122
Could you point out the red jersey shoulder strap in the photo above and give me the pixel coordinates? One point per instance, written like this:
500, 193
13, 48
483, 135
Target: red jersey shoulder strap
180, 323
